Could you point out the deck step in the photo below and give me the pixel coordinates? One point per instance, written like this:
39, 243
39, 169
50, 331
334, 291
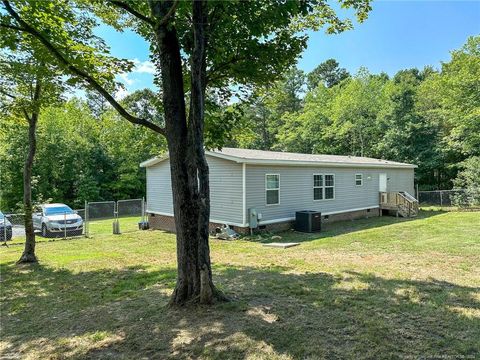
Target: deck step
402, 202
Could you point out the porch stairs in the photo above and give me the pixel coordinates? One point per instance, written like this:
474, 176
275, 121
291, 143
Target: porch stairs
401, 202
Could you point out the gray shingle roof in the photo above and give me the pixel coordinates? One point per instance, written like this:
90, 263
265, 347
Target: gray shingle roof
285, 158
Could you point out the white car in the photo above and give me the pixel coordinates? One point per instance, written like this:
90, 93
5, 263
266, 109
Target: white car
57, 219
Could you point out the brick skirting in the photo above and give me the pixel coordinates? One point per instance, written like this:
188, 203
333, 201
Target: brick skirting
167, 223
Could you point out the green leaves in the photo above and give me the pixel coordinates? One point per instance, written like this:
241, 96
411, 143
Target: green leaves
424, 117
452, 97
68, 28
79, 156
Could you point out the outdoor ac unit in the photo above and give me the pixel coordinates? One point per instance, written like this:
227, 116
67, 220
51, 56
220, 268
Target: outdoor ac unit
308, 221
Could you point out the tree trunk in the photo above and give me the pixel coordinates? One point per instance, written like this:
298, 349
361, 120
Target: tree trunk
188, 166
28, 255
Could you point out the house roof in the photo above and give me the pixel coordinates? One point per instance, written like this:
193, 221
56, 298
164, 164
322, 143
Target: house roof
259, 157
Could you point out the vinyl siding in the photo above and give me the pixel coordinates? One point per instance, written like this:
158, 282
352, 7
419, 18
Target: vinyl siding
296, 189
159, 188
225, 190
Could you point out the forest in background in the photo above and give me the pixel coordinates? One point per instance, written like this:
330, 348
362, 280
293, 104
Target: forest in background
423, 116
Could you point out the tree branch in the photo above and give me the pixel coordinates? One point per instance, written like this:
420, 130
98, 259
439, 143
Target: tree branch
80, 73
27, 117
132, 11
7, 94
12, 27
170, 12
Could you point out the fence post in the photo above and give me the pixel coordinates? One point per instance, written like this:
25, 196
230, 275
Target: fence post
5, 230
441, 199
85, 224
64, 225
143, 210
116, 223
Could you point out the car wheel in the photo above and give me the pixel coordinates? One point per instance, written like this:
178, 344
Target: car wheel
45, 232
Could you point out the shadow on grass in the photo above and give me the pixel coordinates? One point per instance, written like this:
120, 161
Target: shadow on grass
276, 314
346, 227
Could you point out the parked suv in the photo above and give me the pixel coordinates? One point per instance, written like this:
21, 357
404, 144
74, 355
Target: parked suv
56, 218
5, 228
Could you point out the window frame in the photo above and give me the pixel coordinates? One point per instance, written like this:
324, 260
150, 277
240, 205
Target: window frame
319, 187
333, 186
361, 179
323, 187
277, 189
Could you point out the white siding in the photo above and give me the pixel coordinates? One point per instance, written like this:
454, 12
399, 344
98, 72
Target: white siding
159, 188
296, 189
225, 190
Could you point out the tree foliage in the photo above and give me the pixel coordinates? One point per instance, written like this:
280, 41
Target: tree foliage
79, 156
328, 73
426, 117
469, 179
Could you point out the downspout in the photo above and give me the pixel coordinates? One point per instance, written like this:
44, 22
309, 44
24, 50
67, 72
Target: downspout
244, 195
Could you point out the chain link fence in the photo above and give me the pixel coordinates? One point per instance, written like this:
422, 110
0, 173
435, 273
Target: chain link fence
445, 198
12, 226
129, 214
97, 218
117, 217
61, 225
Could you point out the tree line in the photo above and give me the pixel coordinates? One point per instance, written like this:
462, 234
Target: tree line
423, 116
85, 152
427, 117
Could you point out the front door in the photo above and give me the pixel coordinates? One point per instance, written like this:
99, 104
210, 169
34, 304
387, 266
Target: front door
382, 182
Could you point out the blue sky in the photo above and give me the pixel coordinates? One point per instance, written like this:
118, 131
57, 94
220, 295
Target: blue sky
397, 35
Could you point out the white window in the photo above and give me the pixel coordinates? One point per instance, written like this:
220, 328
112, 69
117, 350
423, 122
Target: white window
317, 187
329, 186
323, 186
358, 179
272, 189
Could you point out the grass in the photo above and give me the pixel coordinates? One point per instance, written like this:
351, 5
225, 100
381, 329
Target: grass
376, 288
97, 228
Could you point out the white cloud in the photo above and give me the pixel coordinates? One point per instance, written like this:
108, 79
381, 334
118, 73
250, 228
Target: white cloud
124, 77
121, 93
146, 67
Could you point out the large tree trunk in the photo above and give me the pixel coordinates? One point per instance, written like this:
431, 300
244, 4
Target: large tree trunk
28, 255
188, 166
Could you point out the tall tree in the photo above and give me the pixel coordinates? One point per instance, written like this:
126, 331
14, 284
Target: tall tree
265, 109
213, 45
450, 100
329, 73
26, 85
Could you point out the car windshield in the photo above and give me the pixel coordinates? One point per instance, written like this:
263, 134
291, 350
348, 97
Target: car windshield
1, 216
58, 210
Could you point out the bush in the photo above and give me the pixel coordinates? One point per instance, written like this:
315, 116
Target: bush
468, 179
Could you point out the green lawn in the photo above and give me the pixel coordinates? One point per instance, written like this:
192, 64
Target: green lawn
374, 288
96, 228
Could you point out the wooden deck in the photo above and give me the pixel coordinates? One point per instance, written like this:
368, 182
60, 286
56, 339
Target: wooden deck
402, 203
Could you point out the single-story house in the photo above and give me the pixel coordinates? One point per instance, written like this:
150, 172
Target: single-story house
272, 186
